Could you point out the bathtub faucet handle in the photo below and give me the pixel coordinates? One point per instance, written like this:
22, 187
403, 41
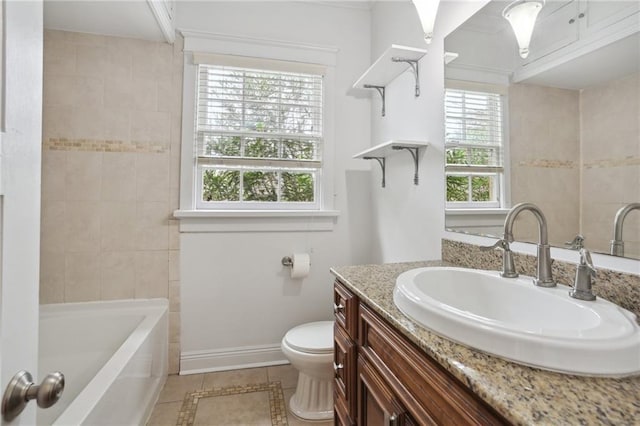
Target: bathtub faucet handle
21, 390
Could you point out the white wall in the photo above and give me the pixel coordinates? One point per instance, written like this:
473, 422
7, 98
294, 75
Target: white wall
237, 300
408, 219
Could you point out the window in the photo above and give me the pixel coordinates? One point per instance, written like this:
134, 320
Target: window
259, 138
474, 145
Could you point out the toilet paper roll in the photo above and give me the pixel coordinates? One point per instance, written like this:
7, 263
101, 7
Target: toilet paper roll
301, 265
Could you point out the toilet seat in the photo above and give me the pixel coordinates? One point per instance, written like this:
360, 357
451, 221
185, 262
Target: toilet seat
313, 337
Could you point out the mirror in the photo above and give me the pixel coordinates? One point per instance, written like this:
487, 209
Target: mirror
571, 119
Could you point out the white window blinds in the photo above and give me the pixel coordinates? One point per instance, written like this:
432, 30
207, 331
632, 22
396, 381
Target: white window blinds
258, 135
474, 147
474, 131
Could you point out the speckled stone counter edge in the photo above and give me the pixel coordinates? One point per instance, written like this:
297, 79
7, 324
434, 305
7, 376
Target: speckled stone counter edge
523, 395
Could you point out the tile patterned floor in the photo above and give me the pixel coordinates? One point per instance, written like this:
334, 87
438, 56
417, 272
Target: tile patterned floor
239, 397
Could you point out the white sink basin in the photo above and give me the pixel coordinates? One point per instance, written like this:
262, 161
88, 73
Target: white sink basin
513, 319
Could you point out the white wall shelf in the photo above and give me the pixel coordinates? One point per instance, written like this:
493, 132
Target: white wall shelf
382, 151
393, 62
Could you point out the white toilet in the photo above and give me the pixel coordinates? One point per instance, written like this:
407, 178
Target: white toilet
309, 348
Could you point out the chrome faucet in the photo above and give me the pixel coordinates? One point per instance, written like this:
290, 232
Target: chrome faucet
544, 277
617, 245
584, 275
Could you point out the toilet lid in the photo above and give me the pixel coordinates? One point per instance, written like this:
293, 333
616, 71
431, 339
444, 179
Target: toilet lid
314, 337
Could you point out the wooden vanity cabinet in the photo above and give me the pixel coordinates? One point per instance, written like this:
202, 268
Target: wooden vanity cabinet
394, 382
345, 309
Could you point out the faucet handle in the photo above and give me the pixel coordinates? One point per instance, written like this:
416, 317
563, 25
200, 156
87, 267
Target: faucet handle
508, 264
501, 243
576, 244
584, 274
585, 260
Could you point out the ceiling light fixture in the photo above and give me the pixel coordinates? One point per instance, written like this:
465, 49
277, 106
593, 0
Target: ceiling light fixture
522, 15
427, 10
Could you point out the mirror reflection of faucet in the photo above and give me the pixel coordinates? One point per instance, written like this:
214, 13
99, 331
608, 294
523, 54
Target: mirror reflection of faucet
576, 244
617, 244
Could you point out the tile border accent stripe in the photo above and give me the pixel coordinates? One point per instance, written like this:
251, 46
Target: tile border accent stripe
612, 162
569, 164
96, 145
549, 164
187, 414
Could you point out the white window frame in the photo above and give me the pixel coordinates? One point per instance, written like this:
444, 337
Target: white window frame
265, 165
274, 53
503, 198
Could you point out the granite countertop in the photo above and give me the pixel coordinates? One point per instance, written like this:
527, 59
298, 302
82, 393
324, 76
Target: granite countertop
523, 395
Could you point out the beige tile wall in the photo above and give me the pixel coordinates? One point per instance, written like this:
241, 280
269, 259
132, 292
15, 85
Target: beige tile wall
110, 171
544, 133
562, 140
611, 160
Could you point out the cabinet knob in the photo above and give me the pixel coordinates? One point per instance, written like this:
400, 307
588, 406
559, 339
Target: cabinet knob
337, 367
572, 20
338, 308
393, 420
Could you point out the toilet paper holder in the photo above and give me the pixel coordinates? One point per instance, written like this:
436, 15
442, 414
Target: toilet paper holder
287, 261
299, 264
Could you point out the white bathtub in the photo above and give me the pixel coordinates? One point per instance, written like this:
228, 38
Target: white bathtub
113, 356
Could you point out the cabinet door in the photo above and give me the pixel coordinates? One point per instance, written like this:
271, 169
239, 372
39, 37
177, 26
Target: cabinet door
345, 308
377, 405
596, 16
340, 415
344, 364
556, 28
419, 382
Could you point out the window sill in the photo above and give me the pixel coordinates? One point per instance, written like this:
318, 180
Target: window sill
256, 220
475, 212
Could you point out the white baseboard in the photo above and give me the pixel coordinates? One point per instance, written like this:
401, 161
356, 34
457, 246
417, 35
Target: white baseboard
207, 361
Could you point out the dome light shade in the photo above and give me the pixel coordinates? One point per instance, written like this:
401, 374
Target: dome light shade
522, 15
427, 10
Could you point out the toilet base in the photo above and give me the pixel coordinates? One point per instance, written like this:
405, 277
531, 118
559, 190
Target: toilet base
313, 399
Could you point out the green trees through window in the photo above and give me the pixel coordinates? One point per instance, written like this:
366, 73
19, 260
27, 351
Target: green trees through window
459, 187
259, 135
223, 184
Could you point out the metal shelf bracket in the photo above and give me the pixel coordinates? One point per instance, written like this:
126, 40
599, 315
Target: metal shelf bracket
414, 153
383, 162
380, 90
413, 63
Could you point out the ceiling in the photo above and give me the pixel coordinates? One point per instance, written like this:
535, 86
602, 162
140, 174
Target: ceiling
118, 18
133, 18
608, 63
